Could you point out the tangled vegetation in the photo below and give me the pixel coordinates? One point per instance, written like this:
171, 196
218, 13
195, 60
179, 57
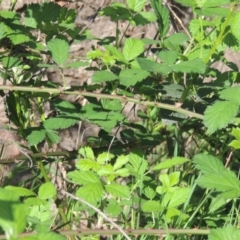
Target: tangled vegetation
171, 173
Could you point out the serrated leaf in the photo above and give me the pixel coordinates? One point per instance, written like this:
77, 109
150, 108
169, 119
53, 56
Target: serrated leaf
191, 66
104, 157
236, 133
163, 16
118, 191
235, 23
136, 5
144, 18
105, 170
169, 57
50, 11
53, 136
235, 144
168, 163
23, 192
36, 136
113, 209
76, 65
177, 39
121, 160
60, 122
132, 48
225, 233
47, 191
89, 153
13, 214
216, 203
151, 206
18, 38
116, 53
151, 66
130, 77
208, 164
59, 49
85, 178
219, 115
123, 172
87, 164
91, 192
174, 178
231, 94
10, 62
8, 14
215, 175
103, 76
114, 105
176, 198
149, 193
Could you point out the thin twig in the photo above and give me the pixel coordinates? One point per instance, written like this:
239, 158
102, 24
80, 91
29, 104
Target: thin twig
98, 211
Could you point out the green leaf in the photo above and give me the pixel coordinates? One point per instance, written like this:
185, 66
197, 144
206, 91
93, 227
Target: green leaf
144, 18
236, 133
121, 160
113, 208
187, 3
50, 11
36, 136
177, 39
163, 16
89, 153
235, 23
10, 62
130, 77
116, 53
76, 65
114, 105
216, 176
216, 203
105, 170
92, 192
53, 136
225, 233
18, 38
22, 192
168, 57
59, 49
47, 191
123, 172
118, 190
80, 177
60, 122
8, 14
235, 144
149, 193
174, 178
208, 164
132, 48
151, 206
13, 214
103, 76
87, 164
231, 94
136, 5
219, 115
168, 163
176, 198
151, 66
104, 157
191, 66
